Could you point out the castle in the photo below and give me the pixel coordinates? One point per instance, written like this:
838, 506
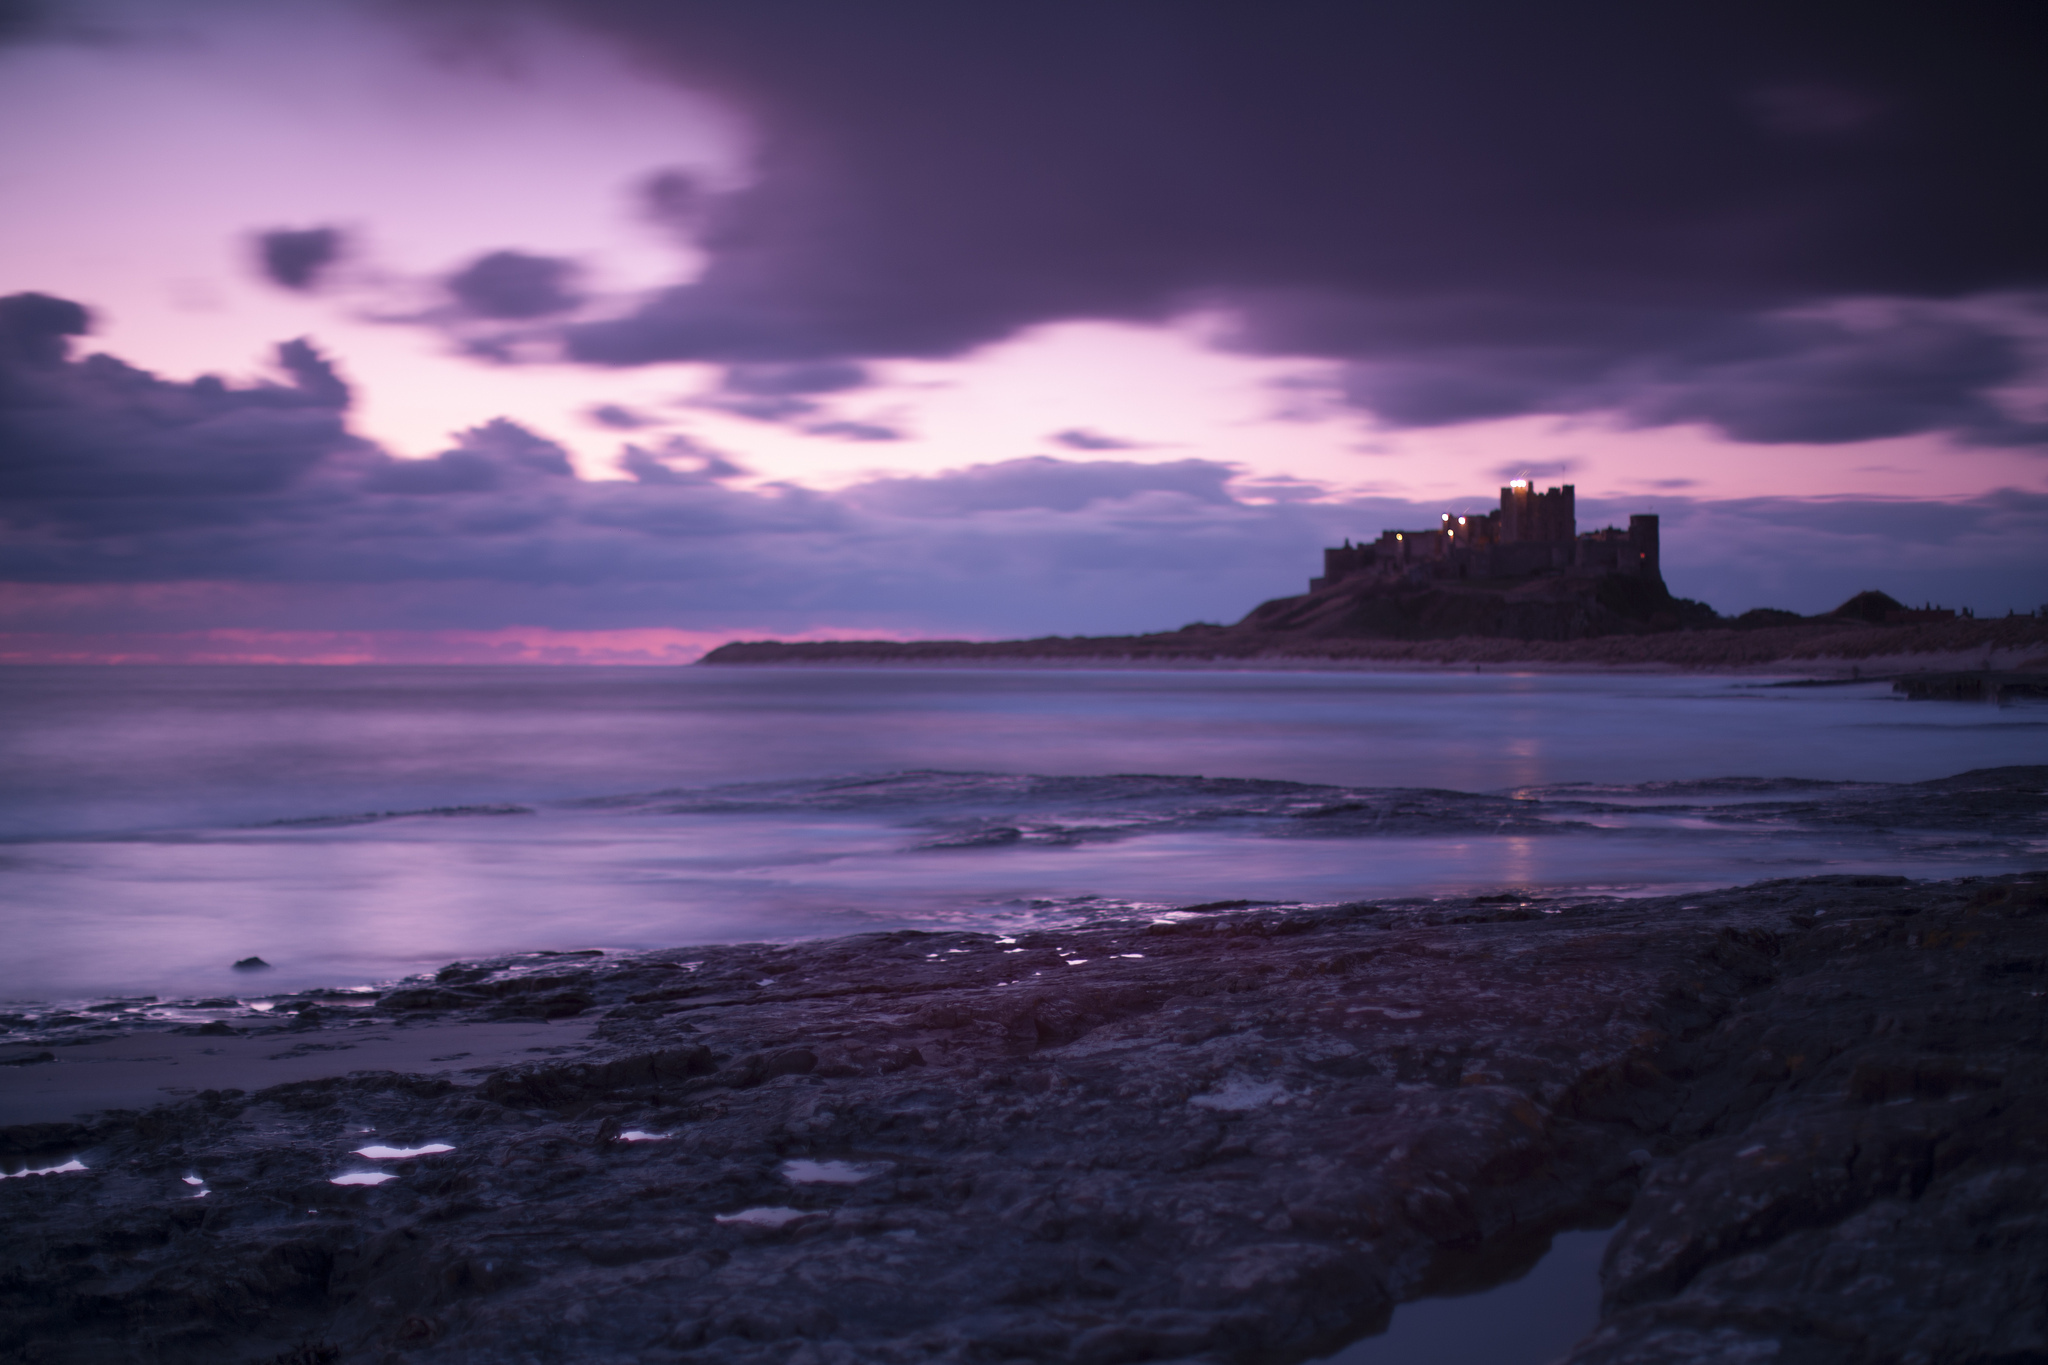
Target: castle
1532, 533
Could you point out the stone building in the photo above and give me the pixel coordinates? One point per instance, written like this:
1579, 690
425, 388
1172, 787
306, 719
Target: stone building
1531, 533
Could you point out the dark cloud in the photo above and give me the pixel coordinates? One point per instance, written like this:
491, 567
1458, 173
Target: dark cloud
1808, 555
843, 429
780, 380
1799, 380
100, 429
35, 330
618, 418
494, 456
1511, 205
1812, 109
512, 285
1776, 379
130, 502
679, 459
21, 19
645, 467
771, 407
783, 394
674, 199
1077, 438
294, 258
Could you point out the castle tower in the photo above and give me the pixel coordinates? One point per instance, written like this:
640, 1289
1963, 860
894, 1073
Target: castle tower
1642, 535
1527, 515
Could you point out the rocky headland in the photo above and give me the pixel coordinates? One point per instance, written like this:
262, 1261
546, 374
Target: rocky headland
1233, 1133
1440, 627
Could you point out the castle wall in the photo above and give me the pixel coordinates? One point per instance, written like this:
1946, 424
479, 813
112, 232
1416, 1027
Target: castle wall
1519, 559
1532, 533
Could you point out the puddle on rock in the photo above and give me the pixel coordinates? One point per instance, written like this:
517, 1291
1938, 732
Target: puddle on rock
1239, 1094
381, 1153
362, 1178
1533, 1320
829, 1172
761, 1218
636, 1135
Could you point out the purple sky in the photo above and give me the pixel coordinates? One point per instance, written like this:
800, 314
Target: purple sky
633, 326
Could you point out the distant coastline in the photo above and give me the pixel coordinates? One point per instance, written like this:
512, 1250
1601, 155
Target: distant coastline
1830, 649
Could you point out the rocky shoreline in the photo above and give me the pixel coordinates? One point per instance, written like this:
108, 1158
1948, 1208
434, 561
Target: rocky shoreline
1236, 1133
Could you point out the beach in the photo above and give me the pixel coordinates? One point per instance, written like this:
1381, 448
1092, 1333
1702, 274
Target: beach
1243, 1134
867, 1014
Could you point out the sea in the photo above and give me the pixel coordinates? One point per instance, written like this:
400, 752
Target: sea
356, 825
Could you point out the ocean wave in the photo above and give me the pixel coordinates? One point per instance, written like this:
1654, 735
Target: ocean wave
952, 811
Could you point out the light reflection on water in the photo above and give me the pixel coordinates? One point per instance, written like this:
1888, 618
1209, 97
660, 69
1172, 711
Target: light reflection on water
128, 874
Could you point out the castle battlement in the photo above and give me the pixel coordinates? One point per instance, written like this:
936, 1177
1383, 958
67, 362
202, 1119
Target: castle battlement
1529, 534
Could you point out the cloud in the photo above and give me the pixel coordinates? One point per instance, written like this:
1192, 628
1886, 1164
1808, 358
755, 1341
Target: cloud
512, 285
99, 430
1483, 210
35, 330
21, 19
1820, 381
132, 503
1476, 210
1041, 483
848, 430
1861, 371
293, 258
1078, 438
783, 394
679, 459
1538, 469
497, 455
618, 418
1809, 555
781, 380
674, 199
1811, 109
